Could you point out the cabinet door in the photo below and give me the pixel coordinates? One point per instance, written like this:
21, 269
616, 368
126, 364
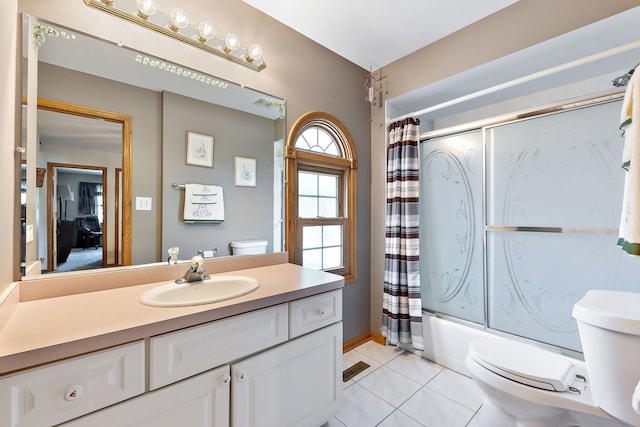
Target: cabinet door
61, 391
201, 401
295, 384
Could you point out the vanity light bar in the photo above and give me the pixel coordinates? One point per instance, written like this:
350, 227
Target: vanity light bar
242, 56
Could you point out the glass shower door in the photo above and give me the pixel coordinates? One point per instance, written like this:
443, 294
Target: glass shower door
451, 226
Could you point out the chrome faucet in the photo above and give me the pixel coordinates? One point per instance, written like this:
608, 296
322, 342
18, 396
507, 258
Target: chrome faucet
195, 273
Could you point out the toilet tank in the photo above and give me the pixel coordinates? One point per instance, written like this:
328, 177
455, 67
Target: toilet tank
609, 326
248, 247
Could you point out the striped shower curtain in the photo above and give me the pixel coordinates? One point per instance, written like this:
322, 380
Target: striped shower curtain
401, 303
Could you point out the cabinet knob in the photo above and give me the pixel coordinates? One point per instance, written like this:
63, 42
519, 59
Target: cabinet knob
225, 379
73, 392
321, 312
240, 376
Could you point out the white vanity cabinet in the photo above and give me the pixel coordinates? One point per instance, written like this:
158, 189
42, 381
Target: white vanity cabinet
275, 367
201, 401
181, 354
54, 393
295, 384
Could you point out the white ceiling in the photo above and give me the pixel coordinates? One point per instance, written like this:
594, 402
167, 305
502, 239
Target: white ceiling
374, 33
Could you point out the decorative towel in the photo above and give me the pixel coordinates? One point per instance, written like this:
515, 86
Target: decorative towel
203, 203
629, 236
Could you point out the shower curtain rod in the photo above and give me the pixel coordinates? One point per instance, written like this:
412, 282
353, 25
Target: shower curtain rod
562, 67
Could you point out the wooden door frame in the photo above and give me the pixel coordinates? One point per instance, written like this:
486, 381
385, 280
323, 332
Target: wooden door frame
125, 121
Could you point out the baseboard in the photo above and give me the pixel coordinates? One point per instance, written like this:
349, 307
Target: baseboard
351, 344
378, 338
370, 336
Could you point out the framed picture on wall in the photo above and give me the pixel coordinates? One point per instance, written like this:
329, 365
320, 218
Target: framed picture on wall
199, 149
245, 171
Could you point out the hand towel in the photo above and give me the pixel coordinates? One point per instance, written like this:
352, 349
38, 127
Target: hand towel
203, 203
629, 235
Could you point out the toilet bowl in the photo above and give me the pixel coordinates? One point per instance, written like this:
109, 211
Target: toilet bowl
526, 386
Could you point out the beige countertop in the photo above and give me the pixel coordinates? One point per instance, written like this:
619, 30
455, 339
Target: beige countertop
49, 329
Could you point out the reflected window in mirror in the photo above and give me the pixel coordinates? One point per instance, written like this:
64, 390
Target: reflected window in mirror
321, 202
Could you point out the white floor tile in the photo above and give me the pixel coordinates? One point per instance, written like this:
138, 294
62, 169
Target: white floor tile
334, 422
380, 353
475, 422
392, 392
390, 386
459, 388
362, 408
352, 357
399, 419
434, 410
415, 367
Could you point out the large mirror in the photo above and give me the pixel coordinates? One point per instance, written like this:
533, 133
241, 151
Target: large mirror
119, 136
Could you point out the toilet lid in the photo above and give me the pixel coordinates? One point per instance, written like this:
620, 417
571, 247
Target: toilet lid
524, 363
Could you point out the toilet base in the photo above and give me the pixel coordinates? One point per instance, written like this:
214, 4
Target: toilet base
491, 415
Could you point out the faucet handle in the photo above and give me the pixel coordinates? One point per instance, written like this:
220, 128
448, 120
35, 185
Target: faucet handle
196, 262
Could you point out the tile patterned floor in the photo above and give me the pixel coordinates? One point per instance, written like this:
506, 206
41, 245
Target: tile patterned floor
400, 389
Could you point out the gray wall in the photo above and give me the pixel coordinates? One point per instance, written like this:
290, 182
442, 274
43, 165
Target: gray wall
517, 27
248, 210
145, 108
307, 75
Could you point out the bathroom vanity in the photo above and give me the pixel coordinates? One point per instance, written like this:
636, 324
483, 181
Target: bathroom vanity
269, 358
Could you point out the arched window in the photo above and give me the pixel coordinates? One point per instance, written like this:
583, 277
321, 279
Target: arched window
321, 203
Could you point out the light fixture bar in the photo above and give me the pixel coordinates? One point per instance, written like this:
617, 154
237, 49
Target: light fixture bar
110, 8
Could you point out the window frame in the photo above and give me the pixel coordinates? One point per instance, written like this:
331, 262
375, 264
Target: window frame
340, 219
345, 166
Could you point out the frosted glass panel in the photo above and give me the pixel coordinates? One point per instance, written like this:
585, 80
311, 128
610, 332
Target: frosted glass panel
560, 170
311, 237
308, 207
312, 259
322, 246
332, 235
536, 278
307, 184
332, 258
328, 185
451, 226
328, 208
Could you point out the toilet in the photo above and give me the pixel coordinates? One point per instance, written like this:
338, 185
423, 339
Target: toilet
527, 386
248, 247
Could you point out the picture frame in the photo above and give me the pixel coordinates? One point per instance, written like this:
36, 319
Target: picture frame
244, 171
199, 149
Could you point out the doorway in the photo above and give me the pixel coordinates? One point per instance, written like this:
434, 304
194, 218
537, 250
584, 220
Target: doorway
78, 237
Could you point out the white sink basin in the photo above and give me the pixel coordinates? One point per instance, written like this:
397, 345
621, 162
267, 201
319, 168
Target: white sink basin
217, 288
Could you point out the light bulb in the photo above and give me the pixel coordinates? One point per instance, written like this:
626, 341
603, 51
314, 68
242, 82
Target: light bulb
254, 52
231, 42
206, 31
179, 19
146, 8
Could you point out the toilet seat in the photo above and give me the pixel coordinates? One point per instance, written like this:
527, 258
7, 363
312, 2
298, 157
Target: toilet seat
524, 363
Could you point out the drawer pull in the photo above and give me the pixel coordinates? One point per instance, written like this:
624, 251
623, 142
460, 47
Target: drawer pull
321, 312
225, 379
240, 376
73, 393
